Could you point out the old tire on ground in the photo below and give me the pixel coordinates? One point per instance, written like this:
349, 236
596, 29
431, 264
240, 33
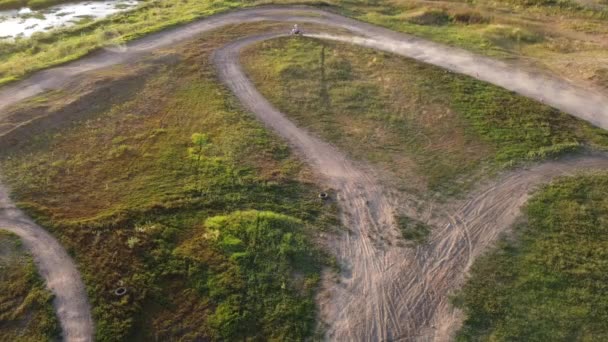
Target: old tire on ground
121, 291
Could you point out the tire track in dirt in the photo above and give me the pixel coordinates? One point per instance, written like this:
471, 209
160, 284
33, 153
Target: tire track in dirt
386, 292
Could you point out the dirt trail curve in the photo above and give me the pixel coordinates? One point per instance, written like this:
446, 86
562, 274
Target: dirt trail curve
386, 292
56, 268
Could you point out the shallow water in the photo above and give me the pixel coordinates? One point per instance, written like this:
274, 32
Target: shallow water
25, 22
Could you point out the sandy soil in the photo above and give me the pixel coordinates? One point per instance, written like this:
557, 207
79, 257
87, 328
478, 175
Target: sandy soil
385, 292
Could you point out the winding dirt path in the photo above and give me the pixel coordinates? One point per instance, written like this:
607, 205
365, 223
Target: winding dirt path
386, 292
57, 269
583, 103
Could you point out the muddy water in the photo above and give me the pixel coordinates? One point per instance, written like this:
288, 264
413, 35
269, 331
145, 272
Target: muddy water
25, 22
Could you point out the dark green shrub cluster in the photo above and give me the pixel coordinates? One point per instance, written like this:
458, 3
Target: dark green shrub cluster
469, 18
261, 276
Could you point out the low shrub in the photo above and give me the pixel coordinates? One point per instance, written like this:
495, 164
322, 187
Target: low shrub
432, 17
469, 18
506, 35
413, 230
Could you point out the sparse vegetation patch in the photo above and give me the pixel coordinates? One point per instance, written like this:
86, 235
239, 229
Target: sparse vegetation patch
413, 230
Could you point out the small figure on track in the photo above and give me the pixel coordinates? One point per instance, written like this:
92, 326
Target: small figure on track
295, 31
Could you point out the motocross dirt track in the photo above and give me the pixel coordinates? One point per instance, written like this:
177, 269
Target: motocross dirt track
385, 292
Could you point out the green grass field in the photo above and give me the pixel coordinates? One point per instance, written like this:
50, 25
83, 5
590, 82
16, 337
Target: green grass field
172, 191
548, 282
26, 311
423, 124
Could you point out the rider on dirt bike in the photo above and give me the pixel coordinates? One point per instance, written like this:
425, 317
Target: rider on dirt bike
295, 31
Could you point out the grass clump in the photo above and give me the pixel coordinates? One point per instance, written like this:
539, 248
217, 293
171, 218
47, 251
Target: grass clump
434, 17
509, 36
413, 230
16, 4
426, 126
470, 17
26, 312
548, 283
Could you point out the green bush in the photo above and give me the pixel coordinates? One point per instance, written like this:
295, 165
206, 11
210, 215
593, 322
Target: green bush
256, 295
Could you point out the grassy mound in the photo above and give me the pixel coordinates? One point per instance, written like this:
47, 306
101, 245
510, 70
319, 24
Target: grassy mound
600, 77
26, 310
256, 254
439, 17
415, 120
549, 282
135, 164
470, 17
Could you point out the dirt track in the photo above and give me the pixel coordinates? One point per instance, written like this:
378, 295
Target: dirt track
385, 292
56, 268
